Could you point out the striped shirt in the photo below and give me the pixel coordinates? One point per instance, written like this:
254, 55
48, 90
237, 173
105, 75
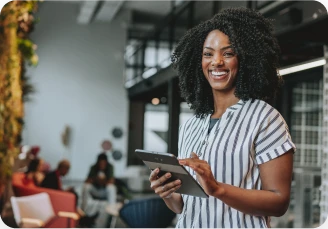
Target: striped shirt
249, 133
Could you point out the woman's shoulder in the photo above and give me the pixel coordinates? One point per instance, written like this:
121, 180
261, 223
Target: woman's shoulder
267, 113
190, 121
265, 108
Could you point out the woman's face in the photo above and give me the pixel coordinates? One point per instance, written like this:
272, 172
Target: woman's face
219, 62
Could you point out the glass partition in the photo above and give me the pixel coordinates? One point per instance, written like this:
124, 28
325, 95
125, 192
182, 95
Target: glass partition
306, 117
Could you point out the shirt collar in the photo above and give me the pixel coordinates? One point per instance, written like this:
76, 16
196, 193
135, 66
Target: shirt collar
237, 105
230, 110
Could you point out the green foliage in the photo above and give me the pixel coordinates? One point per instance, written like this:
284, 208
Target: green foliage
16, 23
27, 49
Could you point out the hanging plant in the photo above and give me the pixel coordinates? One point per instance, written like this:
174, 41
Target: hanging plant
16, 23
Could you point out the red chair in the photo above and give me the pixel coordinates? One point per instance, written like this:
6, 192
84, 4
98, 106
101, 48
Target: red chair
36, 210
61, 201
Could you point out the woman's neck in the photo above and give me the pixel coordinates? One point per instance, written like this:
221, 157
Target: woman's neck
222, 102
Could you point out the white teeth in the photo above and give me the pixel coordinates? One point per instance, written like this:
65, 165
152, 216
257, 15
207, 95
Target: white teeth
218, 73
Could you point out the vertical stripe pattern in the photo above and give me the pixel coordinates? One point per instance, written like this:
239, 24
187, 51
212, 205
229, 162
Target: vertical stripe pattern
249, 133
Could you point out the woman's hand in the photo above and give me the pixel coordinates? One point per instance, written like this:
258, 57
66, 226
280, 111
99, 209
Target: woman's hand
203, 172
161, 189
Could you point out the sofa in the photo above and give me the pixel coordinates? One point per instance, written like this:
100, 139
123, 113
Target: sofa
61, 200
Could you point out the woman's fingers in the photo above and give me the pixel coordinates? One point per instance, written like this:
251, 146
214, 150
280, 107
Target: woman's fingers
156, 182
164, 188
168, 193
167, 189
198, 170
153, 175
194, 164
193, 160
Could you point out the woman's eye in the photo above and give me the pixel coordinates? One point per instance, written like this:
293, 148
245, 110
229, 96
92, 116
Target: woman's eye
229, 54
207, 54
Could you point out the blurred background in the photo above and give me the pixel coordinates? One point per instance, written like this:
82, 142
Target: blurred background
104, 74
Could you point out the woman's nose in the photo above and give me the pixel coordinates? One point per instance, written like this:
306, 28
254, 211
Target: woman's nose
217, 61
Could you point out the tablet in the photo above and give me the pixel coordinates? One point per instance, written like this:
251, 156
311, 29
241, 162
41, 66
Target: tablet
169, 163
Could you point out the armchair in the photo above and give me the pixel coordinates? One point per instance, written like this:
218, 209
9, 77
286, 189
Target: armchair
37, 211
147, 213
60, 200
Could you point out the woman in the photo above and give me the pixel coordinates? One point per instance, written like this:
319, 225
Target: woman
237, 145
34, 172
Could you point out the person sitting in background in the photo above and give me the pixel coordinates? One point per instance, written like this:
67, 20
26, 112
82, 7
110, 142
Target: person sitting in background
100, 182
27, 154
53, 179
34, 172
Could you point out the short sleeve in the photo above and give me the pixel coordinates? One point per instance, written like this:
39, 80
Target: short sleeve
273, 138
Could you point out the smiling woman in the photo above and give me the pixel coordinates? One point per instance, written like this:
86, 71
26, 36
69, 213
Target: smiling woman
219, 63
237, 145
249, 38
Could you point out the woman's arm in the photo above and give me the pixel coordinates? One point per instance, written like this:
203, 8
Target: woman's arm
272, 200
173, 200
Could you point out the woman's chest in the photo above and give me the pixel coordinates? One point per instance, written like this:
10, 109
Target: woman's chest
227, 148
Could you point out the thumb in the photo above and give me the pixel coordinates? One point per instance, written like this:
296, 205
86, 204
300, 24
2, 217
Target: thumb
194, 155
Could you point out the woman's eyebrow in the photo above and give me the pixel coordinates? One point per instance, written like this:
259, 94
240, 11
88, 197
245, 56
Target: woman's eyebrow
227, 47
224, 48
209, 48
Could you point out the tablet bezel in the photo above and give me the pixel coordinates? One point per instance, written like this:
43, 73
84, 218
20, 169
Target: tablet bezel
169, 163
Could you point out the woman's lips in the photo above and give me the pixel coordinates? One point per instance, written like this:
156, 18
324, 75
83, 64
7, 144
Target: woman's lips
219, 76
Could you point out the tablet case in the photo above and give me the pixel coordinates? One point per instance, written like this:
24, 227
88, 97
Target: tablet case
169, 163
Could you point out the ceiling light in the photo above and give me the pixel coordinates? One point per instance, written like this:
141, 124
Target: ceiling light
155, 101
303, 66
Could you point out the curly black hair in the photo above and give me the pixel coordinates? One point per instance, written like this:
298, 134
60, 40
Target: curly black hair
257, 50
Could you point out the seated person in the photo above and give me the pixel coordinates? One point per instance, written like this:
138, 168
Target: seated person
53, 179
34, 172
100, 182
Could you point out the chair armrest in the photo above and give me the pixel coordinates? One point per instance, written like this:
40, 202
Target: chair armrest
37, 222
71, 215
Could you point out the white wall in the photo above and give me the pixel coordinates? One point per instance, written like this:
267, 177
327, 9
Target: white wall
79, 82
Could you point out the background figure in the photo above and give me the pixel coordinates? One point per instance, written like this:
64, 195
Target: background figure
100, 182
53, 179
34, 172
